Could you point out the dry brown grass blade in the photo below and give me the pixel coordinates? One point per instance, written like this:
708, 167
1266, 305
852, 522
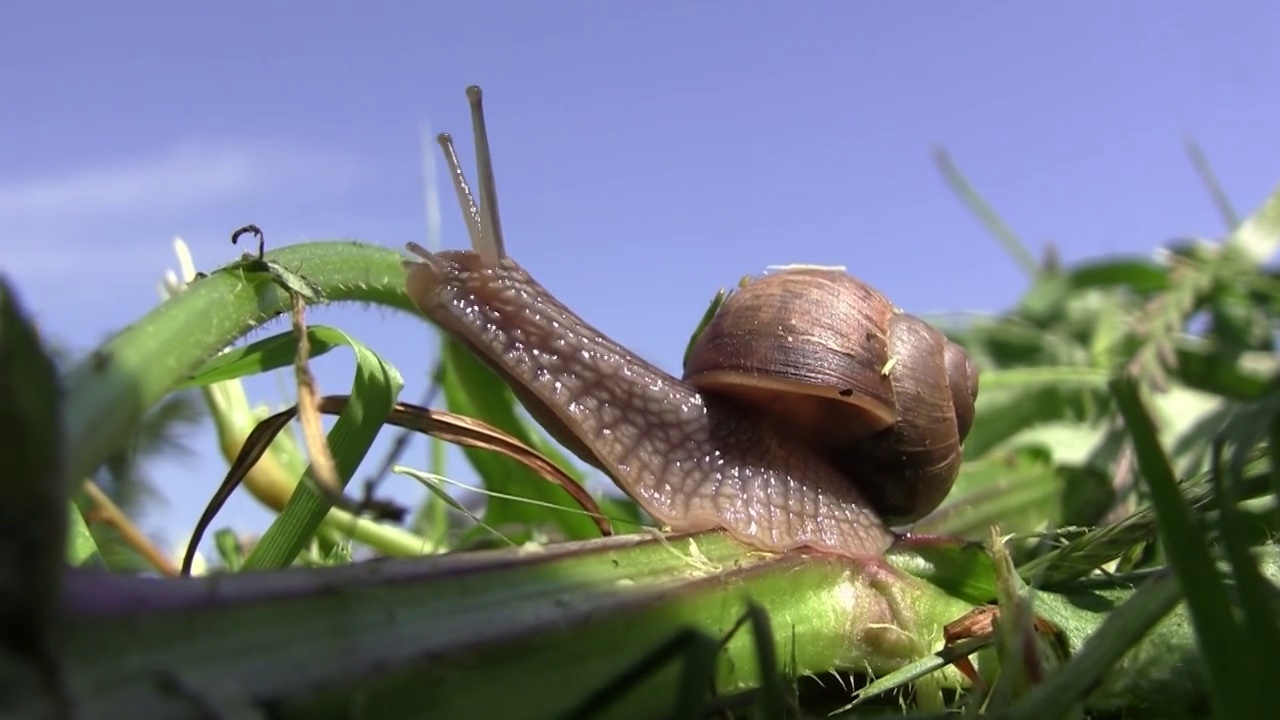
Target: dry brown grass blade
324, 471
447, 426
108, 513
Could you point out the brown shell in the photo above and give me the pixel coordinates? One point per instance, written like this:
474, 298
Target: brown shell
882, 394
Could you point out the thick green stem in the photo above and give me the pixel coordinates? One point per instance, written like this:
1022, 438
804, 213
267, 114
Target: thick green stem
109, 392
461, 636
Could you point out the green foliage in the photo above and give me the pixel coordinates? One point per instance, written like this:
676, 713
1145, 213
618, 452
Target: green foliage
1124, 446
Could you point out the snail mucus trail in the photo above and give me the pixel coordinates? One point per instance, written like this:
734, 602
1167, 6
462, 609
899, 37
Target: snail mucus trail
694, 460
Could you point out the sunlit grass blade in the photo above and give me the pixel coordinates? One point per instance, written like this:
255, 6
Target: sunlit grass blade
1238, 689
229, 549
1081, 555
450, 427
1137, 274
274, 475
435, 481
435, 485
1247, 376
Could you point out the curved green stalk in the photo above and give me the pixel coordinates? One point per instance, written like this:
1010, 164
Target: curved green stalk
108, 392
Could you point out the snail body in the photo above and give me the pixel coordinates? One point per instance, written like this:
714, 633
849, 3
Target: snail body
788, 428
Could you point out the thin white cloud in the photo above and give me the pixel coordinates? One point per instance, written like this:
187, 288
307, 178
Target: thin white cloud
116, 213
186, 176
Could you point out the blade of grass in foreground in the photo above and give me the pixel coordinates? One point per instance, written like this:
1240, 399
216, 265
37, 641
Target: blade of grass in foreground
1239, 689
33, 517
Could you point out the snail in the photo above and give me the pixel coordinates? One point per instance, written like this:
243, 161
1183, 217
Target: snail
811, 413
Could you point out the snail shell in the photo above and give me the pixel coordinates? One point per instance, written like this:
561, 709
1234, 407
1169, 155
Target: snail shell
885, 396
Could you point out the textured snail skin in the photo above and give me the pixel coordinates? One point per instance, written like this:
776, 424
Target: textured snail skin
692, 461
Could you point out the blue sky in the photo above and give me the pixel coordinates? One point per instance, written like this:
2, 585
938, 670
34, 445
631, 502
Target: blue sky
647, 153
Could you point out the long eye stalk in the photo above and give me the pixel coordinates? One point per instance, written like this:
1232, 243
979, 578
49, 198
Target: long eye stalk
484, 225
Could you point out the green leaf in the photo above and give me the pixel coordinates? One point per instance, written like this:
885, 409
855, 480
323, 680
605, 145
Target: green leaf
1140, 275
1237, 375
265, 355
963, 571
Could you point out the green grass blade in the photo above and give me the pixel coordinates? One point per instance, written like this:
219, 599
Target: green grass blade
988, 217
435, 486
273, 353
710, 312
1120, 632
1210, 179
373, 393
962, 571
1237, 689
1236, 375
